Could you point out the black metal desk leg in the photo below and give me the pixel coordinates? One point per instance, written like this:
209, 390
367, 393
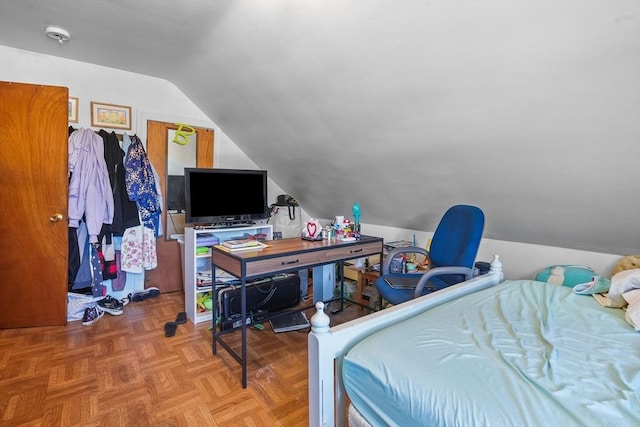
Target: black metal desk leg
243, 320
341, 264
214, 315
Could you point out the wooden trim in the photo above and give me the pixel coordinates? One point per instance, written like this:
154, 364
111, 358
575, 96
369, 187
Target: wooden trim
204, 149
167, 276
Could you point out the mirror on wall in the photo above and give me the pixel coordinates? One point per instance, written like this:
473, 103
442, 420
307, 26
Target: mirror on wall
170, 159
181, 153
195, 149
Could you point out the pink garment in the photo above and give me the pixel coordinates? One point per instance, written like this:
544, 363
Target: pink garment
138, 250
120, 281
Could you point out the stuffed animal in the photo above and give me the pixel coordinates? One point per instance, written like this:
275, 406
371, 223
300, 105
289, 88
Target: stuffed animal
557, 275
627, 263
566, 275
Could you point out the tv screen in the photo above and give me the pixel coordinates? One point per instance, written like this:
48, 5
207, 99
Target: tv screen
219, 196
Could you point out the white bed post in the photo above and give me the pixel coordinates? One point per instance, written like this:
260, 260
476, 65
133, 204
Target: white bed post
321, 372
496, 268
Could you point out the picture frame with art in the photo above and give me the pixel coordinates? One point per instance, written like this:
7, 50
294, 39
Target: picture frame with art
110, 116
73, 109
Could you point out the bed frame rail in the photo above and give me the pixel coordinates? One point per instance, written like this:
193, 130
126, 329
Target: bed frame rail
327, 346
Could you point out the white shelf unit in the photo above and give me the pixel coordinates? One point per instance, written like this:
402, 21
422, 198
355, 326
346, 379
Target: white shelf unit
195, 261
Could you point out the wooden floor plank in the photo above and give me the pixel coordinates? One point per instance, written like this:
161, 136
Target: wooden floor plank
122, 370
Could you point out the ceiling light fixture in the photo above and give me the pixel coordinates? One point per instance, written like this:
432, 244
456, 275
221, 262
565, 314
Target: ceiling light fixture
57, 33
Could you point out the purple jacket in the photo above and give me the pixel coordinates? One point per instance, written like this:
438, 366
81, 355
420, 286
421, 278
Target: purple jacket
89, 187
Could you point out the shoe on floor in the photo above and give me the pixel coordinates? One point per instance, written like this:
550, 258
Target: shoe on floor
181, 318
170, 329
144, 294
110, 305
91, 316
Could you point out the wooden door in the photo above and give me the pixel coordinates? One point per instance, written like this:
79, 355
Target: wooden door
168, 275
33, 230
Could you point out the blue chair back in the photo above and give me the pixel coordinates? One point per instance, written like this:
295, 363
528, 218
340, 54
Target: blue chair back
455, 243
457, 237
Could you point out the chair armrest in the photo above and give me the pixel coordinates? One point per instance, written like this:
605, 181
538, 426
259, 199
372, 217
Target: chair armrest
438, 271
404, 250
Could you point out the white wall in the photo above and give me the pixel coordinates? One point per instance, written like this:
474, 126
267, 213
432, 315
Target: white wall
150, 98
157, 99
519, 260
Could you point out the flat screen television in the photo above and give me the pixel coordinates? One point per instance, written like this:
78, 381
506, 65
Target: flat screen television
221, 196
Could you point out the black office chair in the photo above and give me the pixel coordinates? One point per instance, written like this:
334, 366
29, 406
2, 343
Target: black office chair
451, 257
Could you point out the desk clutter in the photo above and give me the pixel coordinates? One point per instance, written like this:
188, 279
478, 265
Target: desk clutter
264, 297
406, 263
341, 228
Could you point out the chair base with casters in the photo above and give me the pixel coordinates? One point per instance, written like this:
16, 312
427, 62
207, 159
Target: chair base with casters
450, 259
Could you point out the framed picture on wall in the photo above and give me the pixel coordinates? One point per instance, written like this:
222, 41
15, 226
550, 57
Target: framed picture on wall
73, 109
110, 116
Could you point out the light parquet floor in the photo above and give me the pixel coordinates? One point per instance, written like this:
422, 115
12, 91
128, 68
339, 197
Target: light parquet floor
123, 371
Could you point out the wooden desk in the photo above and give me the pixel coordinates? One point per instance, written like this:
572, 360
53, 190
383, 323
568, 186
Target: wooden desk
279, 257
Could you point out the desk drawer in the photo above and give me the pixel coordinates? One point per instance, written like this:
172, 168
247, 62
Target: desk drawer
280, 263
351, 252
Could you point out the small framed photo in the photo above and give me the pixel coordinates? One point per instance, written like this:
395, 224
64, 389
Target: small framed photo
110, 116
73, 109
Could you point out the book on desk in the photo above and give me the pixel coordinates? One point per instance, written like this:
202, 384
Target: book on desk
241, 245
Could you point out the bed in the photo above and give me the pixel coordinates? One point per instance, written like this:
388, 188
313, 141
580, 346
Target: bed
483, 352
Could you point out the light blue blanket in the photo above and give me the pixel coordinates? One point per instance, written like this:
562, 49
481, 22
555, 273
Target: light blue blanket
523, 353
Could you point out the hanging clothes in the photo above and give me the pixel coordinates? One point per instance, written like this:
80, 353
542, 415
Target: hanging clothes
141, 184
82, 279
138, 250
125, 211
90, 194
74, 258
73, 248
160, 227
89, 279
107, 256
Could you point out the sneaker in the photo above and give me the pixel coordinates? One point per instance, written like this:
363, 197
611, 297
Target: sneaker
91, 316
143, 295
110, 305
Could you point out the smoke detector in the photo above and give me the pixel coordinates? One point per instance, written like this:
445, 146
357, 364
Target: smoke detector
57, 33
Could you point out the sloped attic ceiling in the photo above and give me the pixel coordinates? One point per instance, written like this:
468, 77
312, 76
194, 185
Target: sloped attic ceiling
528, 109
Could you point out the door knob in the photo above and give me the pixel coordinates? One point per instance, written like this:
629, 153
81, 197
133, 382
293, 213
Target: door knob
56, 217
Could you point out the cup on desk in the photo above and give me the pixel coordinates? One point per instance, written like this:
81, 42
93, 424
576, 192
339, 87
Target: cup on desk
411, 267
